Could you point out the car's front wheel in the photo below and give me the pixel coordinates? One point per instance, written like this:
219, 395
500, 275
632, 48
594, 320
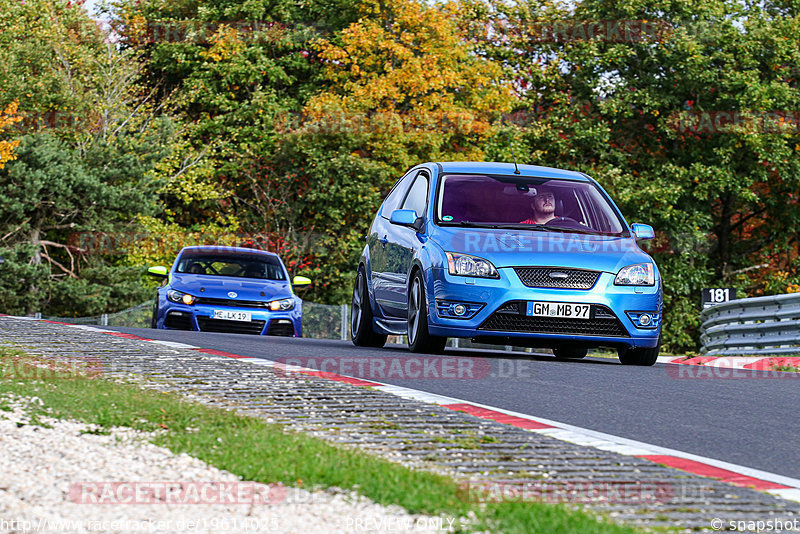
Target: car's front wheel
419, 339
639, 356
154, 320
361, 315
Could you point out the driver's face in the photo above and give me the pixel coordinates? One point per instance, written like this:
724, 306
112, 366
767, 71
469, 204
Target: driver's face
544, 202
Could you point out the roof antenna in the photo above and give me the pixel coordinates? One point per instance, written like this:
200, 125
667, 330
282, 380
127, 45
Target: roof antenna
516, 168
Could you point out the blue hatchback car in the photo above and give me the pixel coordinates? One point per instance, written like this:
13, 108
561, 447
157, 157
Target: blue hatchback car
506, 254
228, 289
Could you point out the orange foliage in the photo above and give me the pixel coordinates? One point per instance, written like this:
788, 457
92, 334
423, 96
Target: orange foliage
410, 72
7, 118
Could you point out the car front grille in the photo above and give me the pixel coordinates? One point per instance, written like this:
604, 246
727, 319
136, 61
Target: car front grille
233, 303
510, 317
280, 327
207, 324
567, 279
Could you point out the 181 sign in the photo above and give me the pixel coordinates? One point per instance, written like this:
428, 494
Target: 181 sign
717, 295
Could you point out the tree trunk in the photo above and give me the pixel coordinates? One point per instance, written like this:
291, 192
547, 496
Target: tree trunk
36, 259
724, 236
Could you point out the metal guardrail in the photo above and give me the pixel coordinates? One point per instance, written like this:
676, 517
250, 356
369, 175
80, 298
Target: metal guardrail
760, 325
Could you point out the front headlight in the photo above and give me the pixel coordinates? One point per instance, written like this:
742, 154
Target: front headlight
466, 265
641, 274
177, 296
281, 305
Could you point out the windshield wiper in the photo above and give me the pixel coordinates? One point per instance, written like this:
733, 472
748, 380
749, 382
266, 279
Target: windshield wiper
526, 226
500, 226
472, 224
551, 228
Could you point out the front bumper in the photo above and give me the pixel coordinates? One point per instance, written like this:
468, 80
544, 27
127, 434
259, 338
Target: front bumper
199, 317
501, 317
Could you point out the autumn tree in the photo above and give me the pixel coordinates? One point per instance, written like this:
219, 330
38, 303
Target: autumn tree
629, 111
404, 86
233, 73
86, 143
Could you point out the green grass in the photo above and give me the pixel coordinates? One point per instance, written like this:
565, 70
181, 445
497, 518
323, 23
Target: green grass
268, 453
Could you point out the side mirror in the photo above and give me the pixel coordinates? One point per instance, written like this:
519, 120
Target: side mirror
157, 271
642, 231
299, 281
407, 218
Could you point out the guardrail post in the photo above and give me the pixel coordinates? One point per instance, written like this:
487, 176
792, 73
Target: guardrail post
104, 319
37, 315
344, 322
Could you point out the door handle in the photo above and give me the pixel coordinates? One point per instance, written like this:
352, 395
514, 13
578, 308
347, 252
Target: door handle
384, 241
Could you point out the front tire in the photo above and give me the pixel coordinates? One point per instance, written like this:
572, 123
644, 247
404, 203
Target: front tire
361, 316
154, 320
419, 339
644, 357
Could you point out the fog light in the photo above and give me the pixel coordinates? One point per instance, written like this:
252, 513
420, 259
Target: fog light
457, 310
648, 320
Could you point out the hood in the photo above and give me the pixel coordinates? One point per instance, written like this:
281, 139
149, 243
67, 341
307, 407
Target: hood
515, 248
220, 286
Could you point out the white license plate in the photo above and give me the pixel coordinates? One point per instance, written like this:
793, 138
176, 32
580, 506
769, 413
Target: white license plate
563, 310
233, 315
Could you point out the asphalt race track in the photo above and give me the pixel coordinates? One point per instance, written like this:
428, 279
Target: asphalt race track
746, 421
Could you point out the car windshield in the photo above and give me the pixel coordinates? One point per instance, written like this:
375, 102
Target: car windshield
526, 203
262, 267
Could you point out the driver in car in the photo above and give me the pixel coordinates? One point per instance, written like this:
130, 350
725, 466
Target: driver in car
544, 207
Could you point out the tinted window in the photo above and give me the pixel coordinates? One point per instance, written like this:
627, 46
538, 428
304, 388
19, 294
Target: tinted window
417, 196
481, 199
392, 202
258, 267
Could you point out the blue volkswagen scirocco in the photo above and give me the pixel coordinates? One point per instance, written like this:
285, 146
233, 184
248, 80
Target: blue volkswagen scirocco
228, 289
506, 254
